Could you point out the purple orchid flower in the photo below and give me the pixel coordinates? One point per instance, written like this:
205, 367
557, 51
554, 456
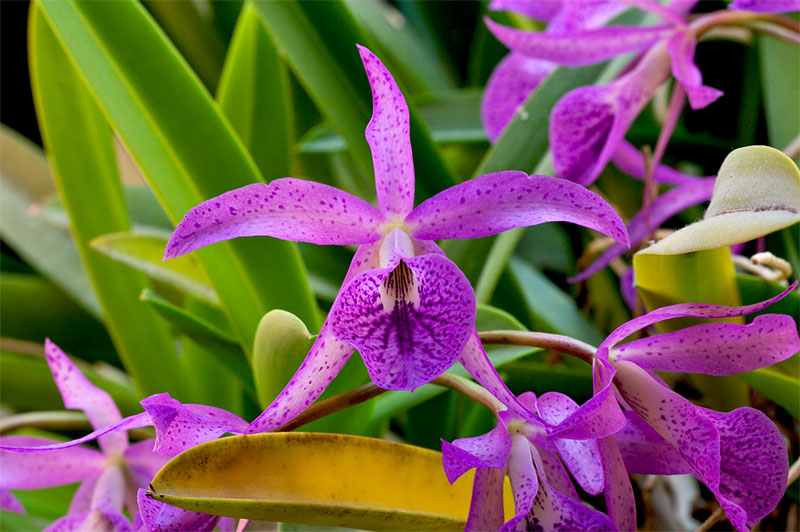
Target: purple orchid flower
729, 452
544, 495
588, 123
407, 309
110, 477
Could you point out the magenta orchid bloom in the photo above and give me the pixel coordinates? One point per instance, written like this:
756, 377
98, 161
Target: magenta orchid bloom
110, 477
729, 452
589, 123
407, 308
532, 457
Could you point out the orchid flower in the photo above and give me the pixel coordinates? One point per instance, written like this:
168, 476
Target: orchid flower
588, 123
110, 477
729, 452
407, 309
544, 495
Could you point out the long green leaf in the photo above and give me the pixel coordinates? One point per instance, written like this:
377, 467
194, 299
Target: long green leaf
776, 386
142, 251
49, 250
550, 309
779, 82
185, 148
255, 96
193, 35
80, 146
33, 309
417, 61
200, 331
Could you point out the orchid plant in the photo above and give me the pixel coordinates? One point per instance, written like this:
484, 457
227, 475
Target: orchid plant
168, 131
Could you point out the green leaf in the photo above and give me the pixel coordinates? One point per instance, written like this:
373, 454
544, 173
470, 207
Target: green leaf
323, 479
142, 251
219, 343
319, 43
778, 387
282, 343
81, 150
185, 148
417, 62
33, 309
255, 96
779, 85
49, 250
549, 309
192, 35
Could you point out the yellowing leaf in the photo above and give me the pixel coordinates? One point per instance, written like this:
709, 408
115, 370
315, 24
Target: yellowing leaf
323, 479
757, 192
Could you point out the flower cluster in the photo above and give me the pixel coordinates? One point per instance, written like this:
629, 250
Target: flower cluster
410, 312
588, 124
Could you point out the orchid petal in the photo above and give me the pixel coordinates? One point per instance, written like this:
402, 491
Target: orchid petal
25, 471
324, 361
9, 502
584, 15
524, 482
552, 510
580, 456
109, 492
289, 209
555, 473
132, 422
82, 500
588, 123
682, 7
497, 202
617, 489
365, 258
388, 136
475, 361
681, 48
697, 310
716, 348
79, 393
488, 450
650, 218
157, 516
143, 462
766, 6
486, 507
631, 161
409, 321
754, 465
180, 426
511, 82
721, 448
598, 417
645, 452
91, 520
542, 10
581, 47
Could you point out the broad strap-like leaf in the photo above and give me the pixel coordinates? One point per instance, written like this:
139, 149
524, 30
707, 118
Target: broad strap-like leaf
324, 479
